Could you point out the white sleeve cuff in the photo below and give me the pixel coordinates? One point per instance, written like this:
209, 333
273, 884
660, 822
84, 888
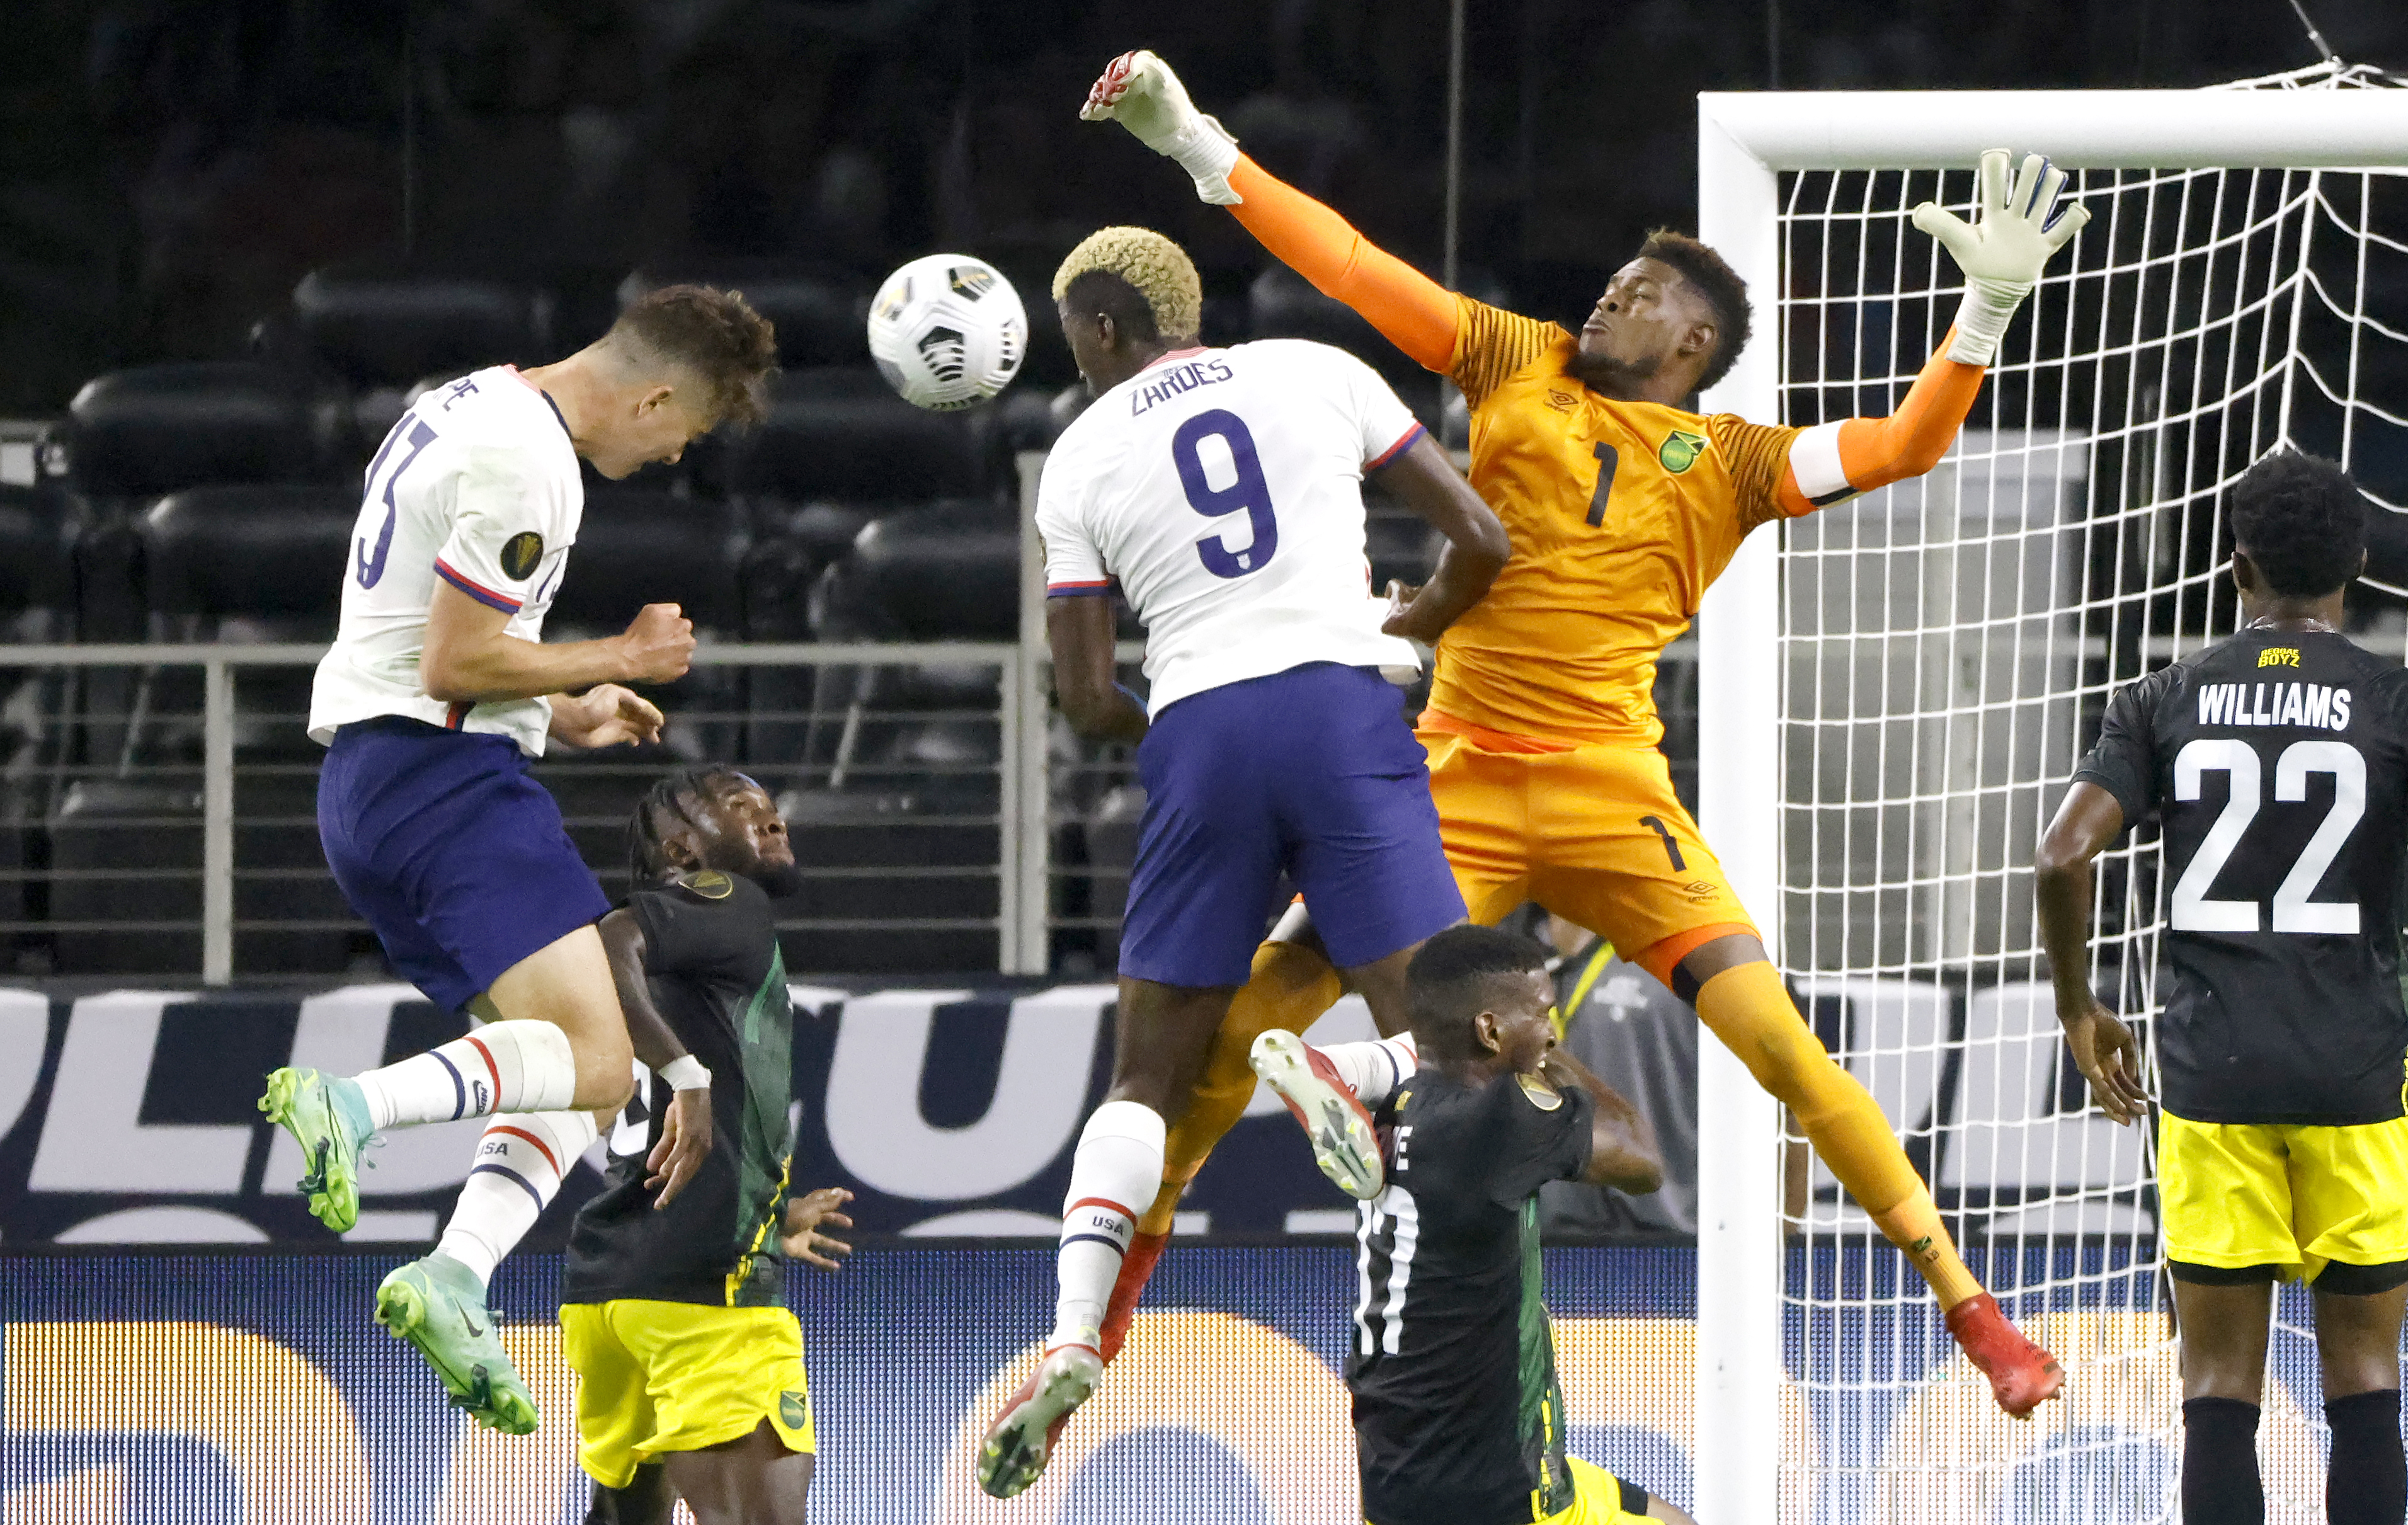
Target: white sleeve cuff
1815, 460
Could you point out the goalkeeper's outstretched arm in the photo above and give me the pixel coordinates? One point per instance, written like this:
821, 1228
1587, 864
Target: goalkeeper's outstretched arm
1415, 313
2002, 256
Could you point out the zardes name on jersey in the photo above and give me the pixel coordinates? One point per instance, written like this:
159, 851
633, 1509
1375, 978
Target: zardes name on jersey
1220, 491
476, 485
2282, 800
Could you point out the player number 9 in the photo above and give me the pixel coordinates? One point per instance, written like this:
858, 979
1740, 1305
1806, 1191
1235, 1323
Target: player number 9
1250, 492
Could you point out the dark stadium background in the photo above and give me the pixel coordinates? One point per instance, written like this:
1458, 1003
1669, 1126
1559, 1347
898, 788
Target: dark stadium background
174, 167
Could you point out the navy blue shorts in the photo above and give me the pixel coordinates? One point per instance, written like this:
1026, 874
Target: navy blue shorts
1312, 771
453, 854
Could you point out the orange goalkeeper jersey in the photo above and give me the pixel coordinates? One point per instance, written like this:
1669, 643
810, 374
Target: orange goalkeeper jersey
1622, 514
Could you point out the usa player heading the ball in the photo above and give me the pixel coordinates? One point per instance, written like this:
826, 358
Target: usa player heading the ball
433, 701
1221, 490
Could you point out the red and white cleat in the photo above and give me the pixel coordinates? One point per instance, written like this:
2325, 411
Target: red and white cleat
1136, 1268
1344, 1145
2022, 1376
1020, 1441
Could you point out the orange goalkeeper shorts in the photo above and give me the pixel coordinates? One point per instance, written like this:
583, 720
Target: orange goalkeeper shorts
1593, 833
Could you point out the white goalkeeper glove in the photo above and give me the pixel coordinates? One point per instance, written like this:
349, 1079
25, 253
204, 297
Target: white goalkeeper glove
1139, 90
2002, 255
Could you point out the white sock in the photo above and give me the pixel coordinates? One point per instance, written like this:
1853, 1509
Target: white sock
1373, 1071
500, 1067
520, 1163
1112, 1178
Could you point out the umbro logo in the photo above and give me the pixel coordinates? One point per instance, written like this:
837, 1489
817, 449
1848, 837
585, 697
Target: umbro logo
1562, 402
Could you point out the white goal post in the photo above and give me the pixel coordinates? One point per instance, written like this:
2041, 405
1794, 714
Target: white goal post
1752, 149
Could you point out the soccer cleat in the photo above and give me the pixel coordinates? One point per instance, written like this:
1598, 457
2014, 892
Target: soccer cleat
1136, 1268
2022, 1376
1020, 1441
1343, 1143
436, 1304
328, 1116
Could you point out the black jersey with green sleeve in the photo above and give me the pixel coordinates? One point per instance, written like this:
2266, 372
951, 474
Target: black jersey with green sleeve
712, 964
1459, 1417
2277, 764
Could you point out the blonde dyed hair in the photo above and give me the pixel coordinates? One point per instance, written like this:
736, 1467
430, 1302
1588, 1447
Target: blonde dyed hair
1155, 268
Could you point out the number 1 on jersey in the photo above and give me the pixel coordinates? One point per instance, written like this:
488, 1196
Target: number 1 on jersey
1607, 459
1250, 491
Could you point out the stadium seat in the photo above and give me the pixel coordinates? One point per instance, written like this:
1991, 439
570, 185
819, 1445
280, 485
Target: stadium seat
821, 316
37, 565
390, 329
160, 428
119, 925
950, 571
839, 433
946, 573
2027, 1148
268, 554
901, 855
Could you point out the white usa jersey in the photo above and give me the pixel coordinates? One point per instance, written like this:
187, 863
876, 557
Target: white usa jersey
1221, 490
478, 485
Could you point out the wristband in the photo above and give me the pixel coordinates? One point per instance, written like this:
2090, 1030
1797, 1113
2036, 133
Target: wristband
686, 1074
1982, 318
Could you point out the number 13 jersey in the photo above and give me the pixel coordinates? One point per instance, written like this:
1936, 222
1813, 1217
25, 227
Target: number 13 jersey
1221, 490
2278, 762
478, 485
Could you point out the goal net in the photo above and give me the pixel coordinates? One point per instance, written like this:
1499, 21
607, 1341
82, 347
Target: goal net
1942, 654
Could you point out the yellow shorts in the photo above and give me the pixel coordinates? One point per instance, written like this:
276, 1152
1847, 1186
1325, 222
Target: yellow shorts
1595, 834
1597, 1498
2295, 1196
654, 1377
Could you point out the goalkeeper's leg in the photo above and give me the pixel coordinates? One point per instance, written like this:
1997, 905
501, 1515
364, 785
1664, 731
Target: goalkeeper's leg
1740, 997
1291, 985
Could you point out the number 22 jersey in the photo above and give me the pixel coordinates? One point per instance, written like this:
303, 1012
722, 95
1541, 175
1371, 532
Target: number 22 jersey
1221, 490
2278, 764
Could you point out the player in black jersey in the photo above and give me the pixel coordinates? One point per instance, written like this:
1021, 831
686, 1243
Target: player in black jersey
690, 1366
1459, 1417
2277, 764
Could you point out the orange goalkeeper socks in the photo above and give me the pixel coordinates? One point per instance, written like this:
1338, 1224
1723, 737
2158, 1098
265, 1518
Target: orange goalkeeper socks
1290, 987
1747, 1008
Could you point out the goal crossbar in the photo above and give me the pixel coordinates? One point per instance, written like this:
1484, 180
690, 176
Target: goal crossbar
2081, 129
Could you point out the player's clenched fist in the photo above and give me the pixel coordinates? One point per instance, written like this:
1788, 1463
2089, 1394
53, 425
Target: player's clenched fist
659, 645
1139, 90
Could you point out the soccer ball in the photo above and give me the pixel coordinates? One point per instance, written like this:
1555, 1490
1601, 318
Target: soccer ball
947, 331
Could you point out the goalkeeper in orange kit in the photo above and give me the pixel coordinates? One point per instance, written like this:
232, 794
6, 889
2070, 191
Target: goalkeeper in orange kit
1541, 731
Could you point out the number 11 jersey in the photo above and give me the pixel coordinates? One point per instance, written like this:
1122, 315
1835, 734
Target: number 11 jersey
1221, 490
2278, 762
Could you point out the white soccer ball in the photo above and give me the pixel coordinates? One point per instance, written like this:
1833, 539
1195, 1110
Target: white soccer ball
947, 331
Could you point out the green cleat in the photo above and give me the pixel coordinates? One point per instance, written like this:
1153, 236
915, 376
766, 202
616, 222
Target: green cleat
329, 1117
436, 1304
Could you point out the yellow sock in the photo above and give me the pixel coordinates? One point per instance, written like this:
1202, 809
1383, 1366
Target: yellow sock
1748, 1009
1290, 987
